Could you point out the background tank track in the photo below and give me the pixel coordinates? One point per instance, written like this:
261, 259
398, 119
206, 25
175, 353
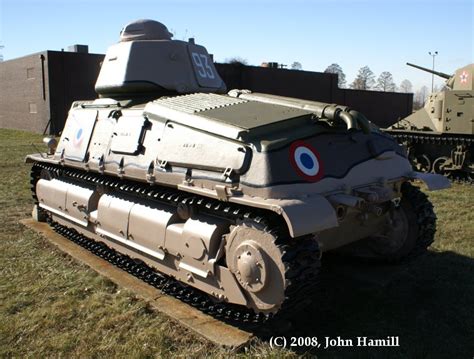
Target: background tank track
301, 256
446, 143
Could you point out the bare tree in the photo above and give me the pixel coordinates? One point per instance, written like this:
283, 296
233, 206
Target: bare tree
437, 88
296, 66
341, 76
420, 97
236, 60
365, 79
385, 82
406, 86
184, 37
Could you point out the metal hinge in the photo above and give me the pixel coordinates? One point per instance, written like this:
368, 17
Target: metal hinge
163, 164
228, 172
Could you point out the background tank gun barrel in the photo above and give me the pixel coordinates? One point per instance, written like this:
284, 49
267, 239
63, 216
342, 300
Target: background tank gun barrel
437, 73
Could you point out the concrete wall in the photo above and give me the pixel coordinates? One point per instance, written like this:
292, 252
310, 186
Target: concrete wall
26, 104
24, 93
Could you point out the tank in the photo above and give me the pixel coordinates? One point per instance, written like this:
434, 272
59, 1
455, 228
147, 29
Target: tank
226, 200
439, 136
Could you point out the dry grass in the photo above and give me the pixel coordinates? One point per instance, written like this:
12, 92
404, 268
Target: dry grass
54, 306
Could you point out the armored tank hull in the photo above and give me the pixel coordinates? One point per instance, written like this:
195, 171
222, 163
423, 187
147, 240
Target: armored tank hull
439, 137
226, 201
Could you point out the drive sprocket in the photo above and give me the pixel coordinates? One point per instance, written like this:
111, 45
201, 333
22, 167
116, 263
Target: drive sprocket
253, 256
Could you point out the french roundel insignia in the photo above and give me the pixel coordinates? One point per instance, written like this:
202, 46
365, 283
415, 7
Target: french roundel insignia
78, 137
306, 161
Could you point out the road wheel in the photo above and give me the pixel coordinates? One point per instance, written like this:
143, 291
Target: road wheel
439, 166
422, 163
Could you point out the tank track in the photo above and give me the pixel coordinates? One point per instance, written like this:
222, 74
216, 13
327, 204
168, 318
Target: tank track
426, 218
449, 141
301, 257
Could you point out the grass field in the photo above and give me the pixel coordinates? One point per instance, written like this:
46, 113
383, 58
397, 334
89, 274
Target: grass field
54, 306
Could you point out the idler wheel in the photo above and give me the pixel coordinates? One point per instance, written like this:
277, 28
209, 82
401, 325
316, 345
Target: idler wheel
46, 174
409, 229
185, 211
397, 233
256, 261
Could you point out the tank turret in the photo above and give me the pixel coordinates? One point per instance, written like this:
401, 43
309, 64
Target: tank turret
461, 80
148, 61
439, 136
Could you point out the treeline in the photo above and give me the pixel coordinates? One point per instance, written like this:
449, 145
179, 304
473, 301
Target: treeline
365, 80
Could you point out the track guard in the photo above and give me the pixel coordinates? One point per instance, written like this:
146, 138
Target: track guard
433, 181
296, 212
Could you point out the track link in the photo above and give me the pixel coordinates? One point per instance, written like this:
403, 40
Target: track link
426, 218
301, 256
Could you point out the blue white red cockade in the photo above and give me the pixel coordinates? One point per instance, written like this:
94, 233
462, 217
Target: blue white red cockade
306, 161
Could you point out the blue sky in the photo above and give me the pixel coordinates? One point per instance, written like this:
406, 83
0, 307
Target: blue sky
353, 33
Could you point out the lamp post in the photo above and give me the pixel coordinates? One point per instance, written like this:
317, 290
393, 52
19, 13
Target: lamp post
433, 54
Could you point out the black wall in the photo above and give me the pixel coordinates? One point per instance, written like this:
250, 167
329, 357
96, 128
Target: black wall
71, 76
382, 108
300, 84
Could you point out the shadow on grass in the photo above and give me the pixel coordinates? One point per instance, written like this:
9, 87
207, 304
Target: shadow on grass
428, 304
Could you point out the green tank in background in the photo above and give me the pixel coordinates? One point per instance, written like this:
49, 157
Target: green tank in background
439, 136
225, 200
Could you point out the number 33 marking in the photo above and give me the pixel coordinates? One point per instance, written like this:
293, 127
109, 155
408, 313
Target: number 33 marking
203, 67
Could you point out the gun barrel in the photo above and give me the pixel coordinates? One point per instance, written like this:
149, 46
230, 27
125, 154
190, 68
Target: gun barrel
437, 73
